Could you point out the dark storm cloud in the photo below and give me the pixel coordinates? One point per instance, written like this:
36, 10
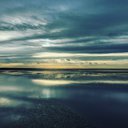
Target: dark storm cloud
28, 27
91, 49
79, 17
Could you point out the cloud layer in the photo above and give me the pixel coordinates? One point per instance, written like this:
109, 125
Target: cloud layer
28, 28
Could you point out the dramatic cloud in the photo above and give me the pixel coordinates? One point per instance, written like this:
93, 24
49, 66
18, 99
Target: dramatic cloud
69, 27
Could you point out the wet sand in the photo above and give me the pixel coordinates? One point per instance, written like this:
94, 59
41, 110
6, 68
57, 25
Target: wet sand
35, 113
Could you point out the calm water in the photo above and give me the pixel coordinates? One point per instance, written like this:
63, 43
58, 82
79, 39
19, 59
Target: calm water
99, 96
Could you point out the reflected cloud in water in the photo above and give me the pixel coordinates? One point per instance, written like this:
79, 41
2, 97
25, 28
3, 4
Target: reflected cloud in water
51, 82
12, 102
9, 88
45, 82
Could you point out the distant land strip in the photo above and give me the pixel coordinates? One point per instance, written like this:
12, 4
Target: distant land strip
121, 70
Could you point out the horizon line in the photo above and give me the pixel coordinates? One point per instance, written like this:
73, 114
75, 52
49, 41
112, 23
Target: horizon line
8, 68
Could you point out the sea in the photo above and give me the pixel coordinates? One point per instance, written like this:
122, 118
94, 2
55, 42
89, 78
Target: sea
98, 95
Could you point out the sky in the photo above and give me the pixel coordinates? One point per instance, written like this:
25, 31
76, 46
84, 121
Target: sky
75, 33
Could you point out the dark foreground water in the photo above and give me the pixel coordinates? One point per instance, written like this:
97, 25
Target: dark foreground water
99, 96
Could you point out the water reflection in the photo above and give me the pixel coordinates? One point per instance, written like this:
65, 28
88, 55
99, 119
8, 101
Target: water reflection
45, 82
51, 82
10, 102
102, 97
